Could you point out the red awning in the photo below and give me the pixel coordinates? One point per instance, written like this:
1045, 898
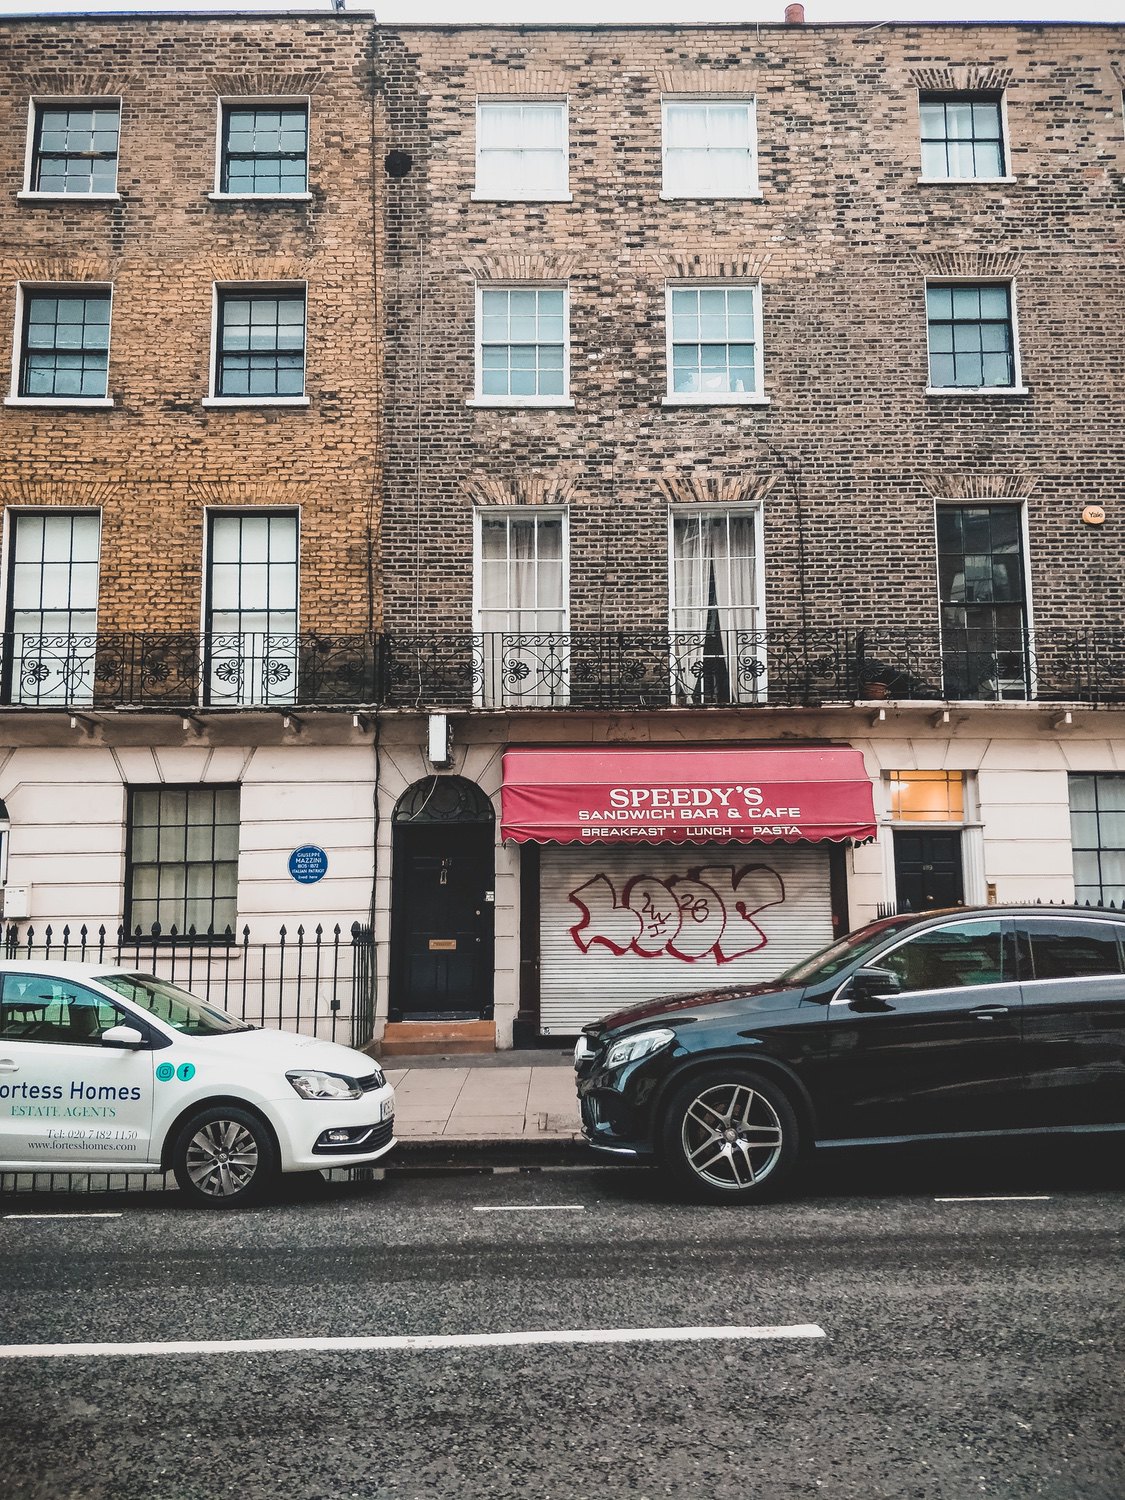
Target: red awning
673, 796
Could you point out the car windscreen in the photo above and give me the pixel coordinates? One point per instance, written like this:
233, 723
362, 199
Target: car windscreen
840, 955
175, 1007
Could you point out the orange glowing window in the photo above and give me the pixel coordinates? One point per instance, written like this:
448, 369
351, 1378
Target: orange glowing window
927, 796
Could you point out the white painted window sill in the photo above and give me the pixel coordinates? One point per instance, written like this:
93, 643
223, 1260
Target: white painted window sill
977, 390
33, 197
255, 401
530, 402
60, 401
733, 400
260, 197
754, 197
964, 181
521, 197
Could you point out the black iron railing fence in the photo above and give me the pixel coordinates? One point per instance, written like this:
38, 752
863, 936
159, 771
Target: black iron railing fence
558, 670
317, 981
904, 908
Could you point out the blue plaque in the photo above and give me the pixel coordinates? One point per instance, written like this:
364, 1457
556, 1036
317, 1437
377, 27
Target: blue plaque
308, 864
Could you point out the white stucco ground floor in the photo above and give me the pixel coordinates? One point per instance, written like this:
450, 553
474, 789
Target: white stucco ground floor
279, 841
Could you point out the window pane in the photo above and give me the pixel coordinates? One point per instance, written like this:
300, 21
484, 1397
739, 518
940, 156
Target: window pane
968, 953
1065, 950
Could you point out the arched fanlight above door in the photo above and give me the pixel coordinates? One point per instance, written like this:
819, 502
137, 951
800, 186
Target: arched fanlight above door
444, 799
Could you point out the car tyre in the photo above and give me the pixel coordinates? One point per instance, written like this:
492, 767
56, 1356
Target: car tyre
731, 1135
225, 1157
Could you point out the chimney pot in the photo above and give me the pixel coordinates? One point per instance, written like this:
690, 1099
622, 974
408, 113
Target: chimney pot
794, 15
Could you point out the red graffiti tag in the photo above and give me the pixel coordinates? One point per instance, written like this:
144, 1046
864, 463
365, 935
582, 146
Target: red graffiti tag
710, 910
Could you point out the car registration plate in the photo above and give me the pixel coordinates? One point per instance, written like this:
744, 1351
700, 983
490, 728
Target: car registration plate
388, 1109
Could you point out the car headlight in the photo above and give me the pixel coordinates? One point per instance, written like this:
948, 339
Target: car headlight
314, 1085
633, 1048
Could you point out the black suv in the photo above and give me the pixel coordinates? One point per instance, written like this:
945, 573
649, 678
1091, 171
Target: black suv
952, 1024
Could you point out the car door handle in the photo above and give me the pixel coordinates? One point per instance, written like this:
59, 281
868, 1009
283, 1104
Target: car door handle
9, 1065
989, 1012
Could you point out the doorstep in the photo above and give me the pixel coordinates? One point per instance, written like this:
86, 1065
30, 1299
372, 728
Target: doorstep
435, 1038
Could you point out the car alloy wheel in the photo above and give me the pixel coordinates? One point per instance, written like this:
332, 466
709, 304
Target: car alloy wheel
731, 1136
224, 1158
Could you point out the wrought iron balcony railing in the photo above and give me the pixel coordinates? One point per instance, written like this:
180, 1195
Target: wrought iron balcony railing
558, 670
154, 669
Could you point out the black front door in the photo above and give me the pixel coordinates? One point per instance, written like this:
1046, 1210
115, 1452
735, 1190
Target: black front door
442, 928
928, 872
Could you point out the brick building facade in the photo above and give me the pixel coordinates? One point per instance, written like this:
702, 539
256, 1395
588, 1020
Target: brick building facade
675, 387
833, 186
237, 166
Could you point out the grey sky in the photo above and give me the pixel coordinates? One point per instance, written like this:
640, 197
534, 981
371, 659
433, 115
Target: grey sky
745, 11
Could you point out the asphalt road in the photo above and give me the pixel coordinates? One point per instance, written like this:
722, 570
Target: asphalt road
968, 1349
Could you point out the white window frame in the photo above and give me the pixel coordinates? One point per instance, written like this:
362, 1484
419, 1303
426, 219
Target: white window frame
221, 288
970, 827
751, 103
12, 513
960, 502
41, 101
228, 101
523, 513
478, 398
36, 288
1005, 143
482, 103
714, 398
1018, 388
205, 585
756, 511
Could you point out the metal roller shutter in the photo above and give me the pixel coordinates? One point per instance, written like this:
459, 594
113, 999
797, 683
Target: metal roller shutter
620, 925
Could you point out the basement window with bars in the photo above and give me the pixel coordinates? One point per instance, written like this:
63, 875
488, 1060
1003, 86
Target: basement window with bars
182, 860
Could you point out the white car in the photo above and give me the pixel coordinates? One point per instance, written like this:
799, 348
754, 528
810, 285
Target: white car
103, 1069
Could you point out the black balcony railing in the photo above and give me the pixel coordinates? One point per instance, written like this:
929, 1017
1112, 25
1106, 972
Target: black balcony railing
115, 669
558, 670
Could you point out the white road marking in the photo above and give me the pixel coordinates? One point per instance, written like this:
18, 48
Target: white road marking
1002, 1198
530, 1208
413, 1342
64, 1216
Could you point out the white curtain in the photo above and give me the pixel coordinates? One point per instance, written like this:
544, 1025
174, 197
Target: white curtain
522, 150
708, 150
714, 598
523, 596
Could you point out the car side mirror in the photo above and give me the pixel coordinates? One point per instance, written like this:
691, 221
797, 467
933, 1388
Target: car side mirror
122, 1036
870, 986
